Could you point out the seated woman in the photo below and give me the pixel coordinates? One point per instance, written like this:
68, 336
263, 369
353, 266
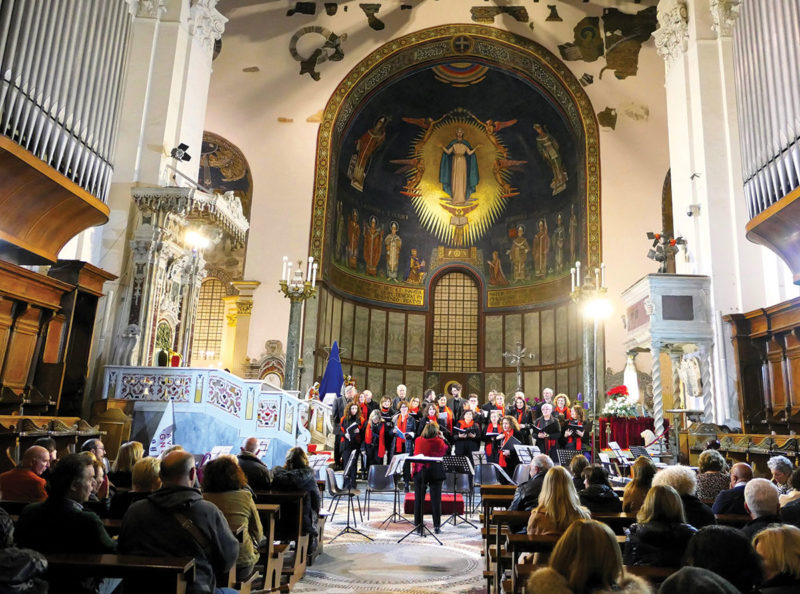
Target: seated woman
586, 559
728, 553
576, 466
794, 494
642, 473
712, 476
297, 475
129, 454
558, 506
684, 481
145, 480
225, 485
661, 534
779, 547
598, 495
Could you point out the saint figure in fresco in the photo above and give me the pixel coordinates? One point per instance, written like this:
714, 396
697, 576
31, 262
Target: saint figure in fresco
548, 149
573, 235
373, 244
541, 247
496, 276
416, 269
519, 254
458, 169
353, 235
559, 240
366, 146
341, 232
393, 245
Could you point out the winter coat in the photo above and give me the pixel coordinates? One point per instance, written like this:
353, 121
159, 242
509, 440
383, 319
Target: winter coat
240, 510
600, 499
22, 571
549, 581
257, 473
300, 479
151, 528
658, 544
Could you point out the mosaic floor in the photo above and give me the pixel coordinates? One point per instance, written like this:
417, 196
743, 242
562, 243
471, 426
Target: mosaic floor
416, 566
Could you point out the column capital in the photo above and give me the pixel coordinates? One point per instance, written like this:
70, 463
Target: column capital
672, 35
206, 23
148, 9
724, 13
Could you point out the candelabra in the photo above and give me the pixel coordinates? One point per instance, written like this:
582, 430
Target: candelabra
590, 294
298, 288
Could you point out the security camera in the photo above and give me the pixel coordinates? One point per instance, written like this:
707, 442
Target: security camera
179, 152
692, 210
689, 212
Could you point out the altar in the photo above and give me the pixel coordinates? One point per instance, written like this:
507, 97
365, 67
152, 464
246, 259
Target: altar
626, 431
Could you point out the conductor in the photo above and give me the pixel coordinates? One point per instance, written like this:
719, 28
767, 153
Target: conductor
426, 473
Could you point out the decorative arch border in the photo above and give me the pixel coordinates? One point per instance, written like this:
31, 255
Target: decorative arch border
512, 52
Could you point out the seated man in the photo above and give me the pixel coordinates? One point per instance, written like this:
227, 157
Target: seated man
25, 483
257, 473
176, 521
761, 502
61, 525
526, 496
731, 501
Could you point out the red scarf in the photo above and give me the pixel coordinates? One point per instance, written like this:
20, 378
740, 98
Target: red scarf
464, 425
364, 410
401, 441
520, 413
562, 411
490, 444
381, 440
413, 411
506, 436
449, 418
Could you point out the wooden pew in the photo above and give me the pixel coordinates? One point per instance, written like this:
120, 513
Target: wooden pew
617, 522
289, 528
654, 575
229, 579
271, 554
734, 520
489, 502
164, 575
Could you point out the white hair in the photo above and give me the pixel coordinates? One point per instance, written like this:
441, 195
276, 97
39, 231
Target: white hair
681, 478
781, 464
761, 497
542, 462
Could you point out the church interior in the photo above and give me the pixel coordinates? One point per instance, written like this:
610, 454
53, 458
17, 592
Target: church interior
208, 205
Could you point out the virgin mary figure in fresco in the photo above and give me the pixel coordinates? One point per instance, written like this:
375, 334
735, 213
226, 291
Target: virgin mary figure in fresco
458, 169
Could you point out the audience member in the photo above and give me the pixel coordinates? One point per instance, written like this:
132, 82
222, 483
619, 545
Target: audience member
696, 580
586, 559
711, 478
781, 469
175, 521
25, 483
225, 485
728, 553
642, 473
297, 475
175, 447
731, 501
62, 525
779, 547
129, 454
761, 503
660, 534
526, 495
144, 480
21, 570
98, 448
598, 495
257, 473
790, 513
794, 493
100, 495
684, 481
576, 466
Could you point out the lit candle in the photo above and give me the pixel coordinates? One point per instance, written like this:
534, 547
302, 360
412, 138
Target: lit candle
308, 270
314, 275
577, 274
572, 279
283, 272
602, 275
288, 271
596, 278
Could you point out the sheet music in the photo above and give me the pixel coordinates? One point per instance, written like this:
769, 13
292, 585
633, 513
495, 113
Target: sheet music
218, 451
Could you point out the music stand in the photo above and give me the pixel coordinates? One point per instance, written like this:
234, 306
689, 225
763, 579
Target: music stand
349, 492
566, 456
525, 453
395, 468
640, 451
421, 528
457, 465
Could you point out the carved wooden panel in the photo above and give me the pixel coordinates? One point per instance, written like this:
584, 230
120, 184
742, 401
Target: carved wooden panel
21, 347
776, 374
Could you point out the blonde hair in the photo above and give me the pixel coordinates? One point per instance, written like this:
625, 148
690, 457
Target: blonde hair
587, 556
129, 454
662, 504
780, 549
559, 499
680, 478
145, 475
565, 397
375, 416
512, 421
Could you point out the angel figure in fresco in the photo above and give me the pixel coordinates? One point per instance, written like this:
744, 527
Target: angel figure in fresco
425, 123
496, 276
491, 127
519, 254
373, 244
416, 269
366, 146
353, 235
541, 247
393, 245
415, 165
458, 169
559, 239
548, 149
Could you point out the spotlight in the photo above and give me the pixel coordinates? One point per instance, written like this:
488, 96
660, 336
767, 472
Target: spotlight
180, 153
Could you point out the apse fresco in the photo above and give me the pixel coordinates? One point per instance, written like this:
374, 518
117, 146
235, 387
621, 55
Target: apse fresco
464, 162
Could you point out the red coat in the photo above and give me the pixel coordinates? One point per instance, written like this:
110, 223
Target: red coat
434, 447
22, 484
